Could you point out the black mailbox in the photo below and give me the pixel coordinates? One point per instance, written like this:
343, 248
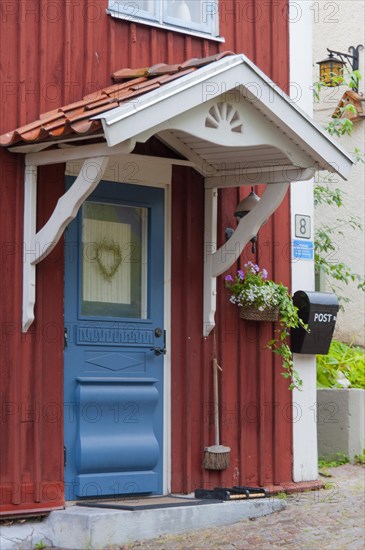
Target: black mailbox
319, 311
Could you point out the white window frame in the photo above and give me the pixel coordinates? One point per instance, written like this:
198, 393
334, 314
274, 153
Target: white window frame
128, 10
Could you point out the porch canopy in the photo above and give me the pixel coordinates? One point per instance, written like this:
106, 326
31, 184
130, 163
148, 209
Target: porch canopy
221, 115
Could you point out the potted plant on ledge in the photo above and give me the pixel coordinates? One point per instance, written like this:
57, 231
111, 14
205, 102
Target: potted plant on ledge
261, 299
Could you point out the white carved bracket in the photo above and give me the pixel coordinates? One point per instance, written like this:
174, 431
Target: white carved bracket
38, 245
217, 262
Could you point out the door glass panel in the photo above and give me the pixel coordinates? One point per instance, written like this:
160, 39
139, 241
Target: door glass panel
114, 260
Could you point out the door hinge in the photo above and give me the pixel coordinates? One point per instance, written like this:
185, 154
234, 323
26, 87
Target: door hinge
65, 337
64, 456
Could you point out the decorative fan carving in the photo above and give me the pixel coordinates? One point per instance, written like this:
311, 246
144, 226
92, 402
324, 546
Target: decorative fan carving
224, 115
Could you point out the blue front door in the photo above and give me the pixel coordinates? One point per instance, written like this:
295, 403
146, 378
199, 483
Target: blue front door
114, 343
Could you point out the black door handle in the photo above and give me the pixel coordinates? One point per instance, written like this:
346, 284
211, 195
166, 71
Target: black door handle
158, 350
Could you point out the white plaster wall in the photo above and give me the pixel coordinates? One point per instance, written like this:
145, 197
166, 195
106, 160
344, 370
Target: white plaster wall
341, 415
301, 202
338, 25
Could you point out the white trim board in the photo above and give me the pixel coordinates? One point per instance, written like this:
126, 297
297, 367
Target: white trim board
305, 464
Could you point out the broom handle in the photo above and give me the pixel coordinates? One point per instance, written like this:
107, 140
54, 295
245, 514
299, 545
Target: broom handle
216, 401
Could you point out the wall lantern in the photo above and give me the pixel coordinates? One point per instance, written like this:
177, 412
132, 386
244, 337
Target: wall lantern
242, 209
331, 68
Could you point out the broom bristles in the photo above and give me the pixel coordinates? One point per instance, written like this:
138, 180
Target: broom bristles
216, 457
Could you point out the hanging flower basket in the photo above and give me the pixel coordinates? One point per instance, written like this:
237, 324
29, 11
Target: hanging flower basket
251, 313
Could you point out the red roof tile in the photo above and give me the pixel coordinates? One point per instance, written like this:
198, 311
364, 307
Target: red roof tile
123, 74
75, 117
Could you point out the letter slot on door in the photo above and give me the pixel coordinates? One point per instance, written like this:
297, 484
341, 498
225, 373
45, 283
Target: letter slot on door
319, 310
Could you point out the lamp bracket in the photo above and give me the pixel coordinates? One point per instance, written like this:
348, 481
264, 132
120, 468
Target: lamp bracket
352, 57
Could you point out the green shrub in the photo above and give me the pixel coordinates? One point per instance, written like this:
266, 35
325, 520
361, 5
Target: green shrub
360, 459
332, 461
341, 358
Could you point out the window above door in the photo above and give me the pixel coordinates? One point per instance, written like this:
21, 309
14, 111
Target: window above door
199, 17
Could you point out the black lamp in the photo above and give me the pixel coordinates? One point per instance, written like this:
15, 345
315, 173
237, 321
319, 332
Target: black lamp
331, 68
246, 205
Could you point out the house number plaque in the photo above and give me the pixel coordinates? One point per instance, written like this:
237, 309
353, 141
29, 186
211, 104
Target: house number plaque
302, 226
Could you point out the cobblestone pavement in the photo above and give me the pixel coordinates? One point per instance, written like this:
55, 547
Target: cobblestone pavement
328, 519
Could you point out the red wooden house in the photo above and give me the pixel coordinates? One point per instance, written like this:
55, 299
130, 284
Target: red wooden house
129, 133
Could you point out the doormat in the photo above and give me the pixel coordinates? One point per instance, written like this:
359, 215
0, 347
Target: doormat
145, 503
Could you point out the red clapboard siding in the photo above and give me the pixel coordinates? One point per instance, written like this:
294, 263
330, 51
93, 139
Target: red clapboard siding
62, 54
255, 402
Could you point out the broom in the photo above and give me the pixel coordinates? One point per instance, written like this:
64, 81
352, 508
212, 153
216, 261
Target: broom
216, 457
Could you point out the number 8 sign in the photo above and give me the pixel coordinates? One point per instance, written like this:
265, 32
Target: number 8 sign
302, 226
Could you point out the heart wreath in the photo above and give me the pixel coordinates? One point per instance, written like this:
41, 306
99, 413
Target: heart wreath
103, 251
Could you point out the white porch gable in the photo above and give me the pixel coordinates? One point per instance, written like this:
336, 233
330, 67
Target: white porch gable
235, 81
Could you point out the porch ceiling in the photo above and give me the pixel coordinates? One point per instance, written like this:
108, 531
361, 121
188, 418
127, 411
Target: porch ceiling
230, 166
227, 157
232, 157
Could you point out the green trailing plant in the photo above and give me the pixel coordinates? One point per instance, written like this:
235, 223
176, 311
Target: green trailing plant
342, 359
336, 273
359, 156
251, 287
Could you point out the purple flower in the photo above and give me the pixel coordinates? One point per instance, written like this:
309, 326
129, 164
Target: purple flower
253, 267
228, 279
264, 274
241, 274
